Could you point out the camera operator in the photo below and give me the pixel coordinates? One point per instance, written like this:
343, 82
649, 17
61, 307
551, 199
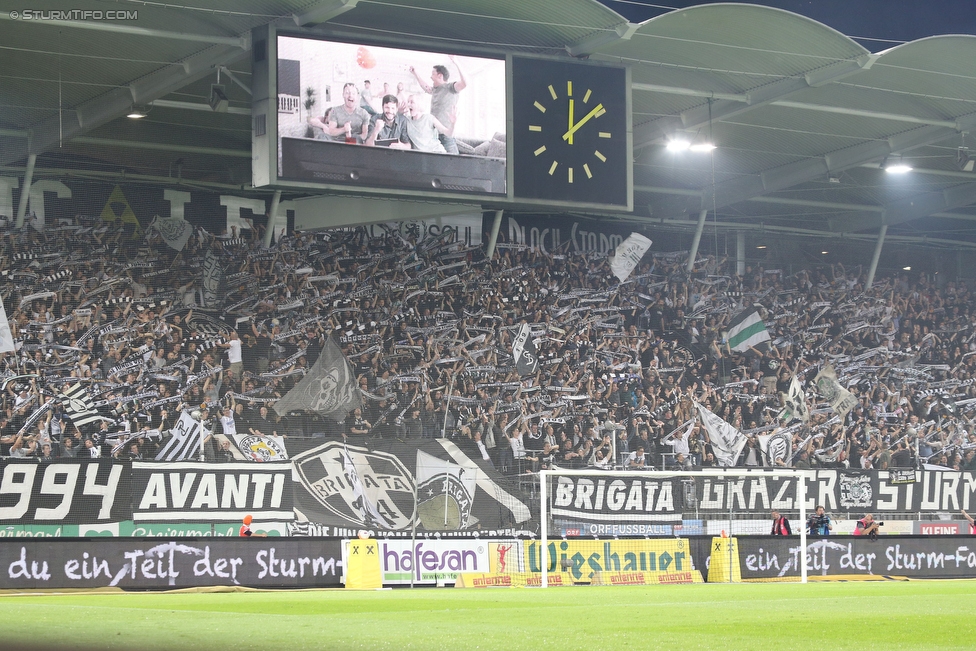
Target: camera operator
819, 523
866, 526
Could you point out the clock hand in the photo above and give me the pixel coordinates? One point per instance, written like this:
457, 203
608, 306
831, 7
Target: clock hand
597, 111
570, 127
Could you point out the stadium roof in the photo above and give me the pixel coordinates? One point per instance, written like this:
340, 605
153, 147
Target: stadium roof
804, 117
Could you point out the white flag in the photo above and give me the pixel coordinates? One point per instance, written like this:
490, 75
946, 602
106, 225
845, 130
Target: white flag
185, 440
794, 403
628, 254
175, 231
777, 446
6, 338
830, 389
727, 442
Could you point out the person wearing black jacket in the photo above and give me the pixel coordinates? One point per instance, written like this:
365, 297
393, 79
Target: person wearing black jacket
781, 526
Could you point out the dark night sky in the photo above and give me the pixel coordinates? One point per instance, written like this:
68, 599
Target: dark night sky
875, 24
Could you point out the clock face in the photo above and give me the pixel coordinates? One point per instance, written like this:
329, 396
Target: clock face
570, 132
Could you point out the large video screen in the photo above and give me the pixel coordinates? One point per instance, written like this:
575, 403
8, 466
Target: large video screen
368, 116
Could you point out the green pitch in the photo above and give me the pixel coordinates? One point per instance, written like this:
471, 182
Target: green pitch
827, 616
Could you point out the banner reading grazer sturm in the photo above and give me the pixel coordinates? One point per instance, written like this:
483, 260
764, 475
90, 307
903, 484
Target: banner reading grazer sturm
64, 491
154, 563
372, 487
649, 506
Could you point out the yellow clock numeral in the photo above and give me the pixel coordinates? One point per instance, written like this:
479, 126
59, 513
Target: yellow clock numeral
586, 168
600, 112
540, 150
586, 98
540, 107
569, 89
570, 174
602, 134
603, 159
534, 127
552, 168
552, 91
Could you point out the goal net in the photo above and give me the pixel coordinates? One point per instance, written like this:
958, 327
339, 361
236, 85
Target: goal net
644, 527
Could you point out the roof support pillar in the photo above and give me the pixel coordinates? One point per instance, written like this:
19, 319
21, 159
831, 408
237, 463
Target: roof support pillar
493, 238
272, 219
740, 253
699, 229
25, 191
877, 255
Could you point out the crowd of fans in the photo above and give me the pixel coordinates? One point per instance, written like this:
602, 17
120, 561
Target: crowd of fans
423, 319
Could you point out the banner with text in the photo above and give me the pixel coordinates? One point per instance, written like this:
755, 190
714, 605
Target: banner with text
942, 557
153, 564
70, 491
192, 491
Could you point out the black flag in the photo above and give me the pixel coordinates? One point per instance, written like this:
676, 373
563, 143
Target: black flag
526, 356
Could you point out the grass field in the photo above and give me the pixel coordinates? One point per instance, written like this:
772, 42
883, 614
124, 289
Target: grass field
824, 617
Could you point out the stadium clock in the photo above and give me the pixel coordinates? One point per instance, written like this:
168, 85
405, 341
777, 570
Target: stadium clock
570, 132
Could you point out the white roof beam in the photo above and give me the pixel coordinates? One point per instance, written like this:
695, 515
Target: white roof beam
914, 207
115, 103
324, 12
242, 42
809, 169
600, 40
723, 107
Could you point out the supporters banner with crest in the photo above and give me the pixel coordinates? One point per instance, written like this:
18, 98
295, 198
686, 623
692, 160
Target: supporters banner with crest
339, 484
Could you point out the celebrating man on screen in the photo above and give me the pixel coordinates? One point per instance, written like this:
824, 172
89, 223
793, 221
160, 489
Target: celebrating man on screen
423, 129
443, 98
347, 121
390, 127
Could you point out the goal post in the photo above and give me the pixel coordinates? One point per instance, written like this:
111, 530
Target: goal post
660, 521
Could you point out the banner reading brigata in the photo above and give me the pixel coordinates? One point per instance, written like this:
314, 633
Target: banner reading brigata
152, 564
617, 499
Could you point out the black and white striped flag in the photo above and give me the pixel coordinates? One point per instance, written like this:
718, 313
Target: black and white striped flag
185, 440
79, 407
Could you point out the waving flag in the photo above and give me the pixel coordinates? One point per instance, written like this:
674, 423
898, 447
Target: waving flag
6, 338
185, 440
329, 388
747, 330
727, 442
794, 403
524, 351
175, 231
79, 407
628, 255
